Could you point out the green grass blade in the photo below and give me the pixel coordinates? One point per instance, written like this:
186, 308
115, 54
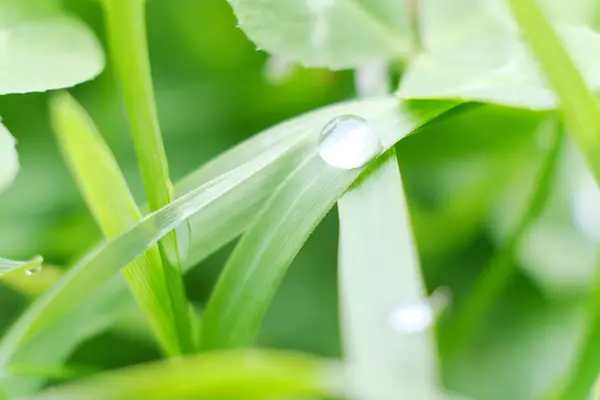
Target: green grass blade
10, 266
108, 197
108, 258
126, 26
259, 262
257, 374
9, 162
580, 109
379, 271
471, 311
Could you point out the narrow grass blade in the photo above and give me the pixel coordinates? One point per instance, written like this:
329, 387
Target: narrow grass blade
108, 197
580, 108
10, 266
126, 26
470, 312
260, 261
9, 162
257, 374
379, 273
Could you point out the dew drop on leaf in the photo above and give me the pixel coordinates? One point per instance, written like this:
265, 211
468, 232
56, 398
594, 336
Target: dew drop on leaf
349, 142
412, 317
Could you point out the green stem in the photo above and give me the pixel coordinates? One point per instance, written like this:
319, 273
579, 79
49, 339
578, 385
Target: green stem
579, 106
126, 26
586, 368
502, 267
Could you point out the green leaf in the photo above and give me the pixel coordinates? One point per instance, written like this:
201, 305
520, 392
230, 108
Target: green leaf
379, 272
9, 162
106, 193
43, 48
126, 27
472, 51
249, 374
260, 260
327, 33
11, 266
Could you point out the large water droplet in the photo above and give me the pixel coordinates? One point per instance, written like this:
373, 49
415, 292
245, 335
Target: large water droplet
412, 317
33, 270
586, 209
349, 142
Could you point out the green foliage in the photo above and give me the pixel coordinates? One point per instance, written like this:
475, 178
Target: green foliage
11, 266
43, 48
327, 33
9, 162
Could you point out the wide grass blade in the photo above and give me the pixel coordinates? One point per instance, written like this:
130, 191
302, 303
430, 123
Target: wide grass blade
580, 108
260, 261
256, 374
10, 266
379, 273
108, 197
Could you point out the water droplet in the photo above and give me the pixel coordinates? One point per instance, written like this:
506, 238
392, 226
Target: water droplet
586, 209
184, 240
33, 270
412, 317
349, 142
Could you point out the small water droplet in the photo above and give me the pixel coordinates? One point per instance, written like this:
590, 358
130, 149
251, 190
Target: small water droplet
33, 270
586, 209
349, 142
412, 317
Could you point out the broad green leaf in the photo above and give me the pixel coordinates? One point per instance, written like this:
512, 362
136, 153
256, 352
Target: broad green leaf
106, 193
240, 374
472, 51
126, 27
11, 266
327, 33
43, 48
9, 162
580, 108
502, 267
260, 260
379, 273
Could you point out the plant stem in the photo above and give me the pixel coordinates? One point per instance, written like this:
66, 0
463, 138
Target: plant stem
580, 109
126, 28
502, 267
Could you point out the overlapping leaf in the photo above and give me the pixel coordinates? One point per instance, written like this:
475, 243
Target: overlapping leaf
9, 163
327, 33
43, 48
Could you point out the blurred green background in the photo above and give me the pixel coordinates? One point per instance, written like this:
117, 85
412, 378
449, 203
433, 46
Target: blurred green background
465, 176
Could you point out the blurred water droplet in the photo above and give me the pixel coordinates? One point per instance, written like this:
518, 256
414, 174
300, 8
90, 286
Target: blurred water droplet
349, 142
277, 69
412, 317
586, 209
34, 270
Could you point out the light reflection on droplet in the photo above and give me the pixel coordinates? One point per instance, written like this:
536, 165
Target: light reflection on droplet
34, 270
412, 317
349, 142
586, 209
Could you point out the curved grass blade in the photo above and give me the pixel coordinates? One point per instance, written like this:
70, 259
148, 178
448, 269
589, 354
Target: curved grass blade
502, 267
108, 197
379, 272
248, 374
259, 262
10, 266
9, 162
